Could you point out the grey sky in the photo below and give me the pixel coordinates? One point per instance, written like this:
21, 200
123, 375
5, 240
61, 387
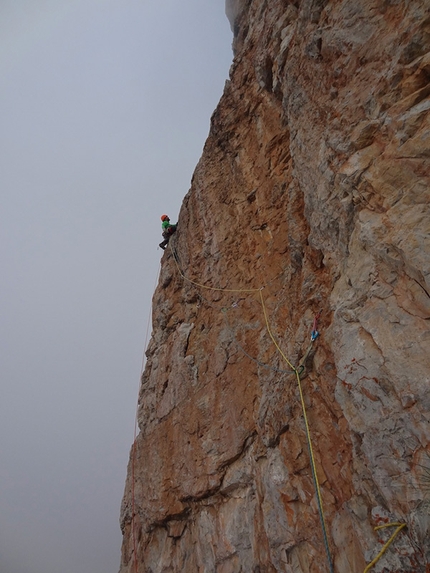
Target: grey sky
104, 110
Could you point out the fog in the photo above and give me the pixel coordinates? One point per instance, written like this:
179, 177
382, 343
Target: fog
104, 110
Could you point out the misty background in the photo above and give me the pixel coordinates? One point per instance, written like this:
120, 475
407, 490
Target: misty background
104, 110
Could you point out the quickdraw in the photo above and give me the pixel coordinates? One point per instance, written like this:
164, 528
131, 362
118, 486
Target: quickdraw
314, 331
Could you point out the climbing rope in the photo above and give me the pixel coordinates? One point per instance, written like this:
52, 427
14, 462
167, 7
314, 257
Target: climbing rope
219, 289
399, 526
258, 362
225, 311
308, 438
200, 285
314, 335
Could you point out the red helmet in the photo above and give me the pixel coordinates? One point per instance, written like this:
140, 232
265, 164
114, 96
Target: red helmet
164, 218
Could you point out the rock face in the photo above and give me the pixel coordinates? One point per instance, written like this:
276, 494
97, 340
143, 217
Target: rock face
314, 184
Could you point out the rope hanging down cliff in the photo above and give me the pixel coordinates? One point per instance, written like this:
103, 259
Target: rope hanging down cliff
297, 373
399, 527
308, 437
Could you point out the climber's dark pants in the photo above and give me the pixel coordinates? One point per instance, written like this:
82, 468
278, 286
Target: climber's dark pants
166, 236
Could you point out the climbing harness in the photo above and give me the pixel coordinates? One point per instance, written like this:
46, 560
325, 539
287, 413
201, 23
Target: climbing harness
296, 371
399, 527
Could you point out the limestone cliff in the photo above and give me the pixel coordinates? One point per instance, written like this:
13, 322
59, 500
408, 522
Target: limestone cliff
314, 184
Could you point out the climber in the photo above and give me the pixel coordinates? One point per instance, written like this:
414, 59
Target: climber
167, 229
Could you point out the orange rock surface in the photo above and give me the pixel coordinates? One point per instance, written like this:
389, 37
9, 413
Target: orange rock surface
314, 187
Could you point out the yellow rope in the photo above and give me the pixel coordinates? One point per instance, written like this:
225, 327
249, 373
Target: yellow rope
271, 335
308, 434
394, 524
399, 526
205, 286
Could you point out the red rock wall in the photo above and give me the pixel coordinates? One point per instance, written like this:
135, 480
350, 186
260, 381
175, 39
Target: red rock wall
314, 184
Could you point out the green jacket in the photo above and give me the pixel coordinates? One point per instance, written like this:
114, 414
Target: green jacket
167, 227
166, 224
